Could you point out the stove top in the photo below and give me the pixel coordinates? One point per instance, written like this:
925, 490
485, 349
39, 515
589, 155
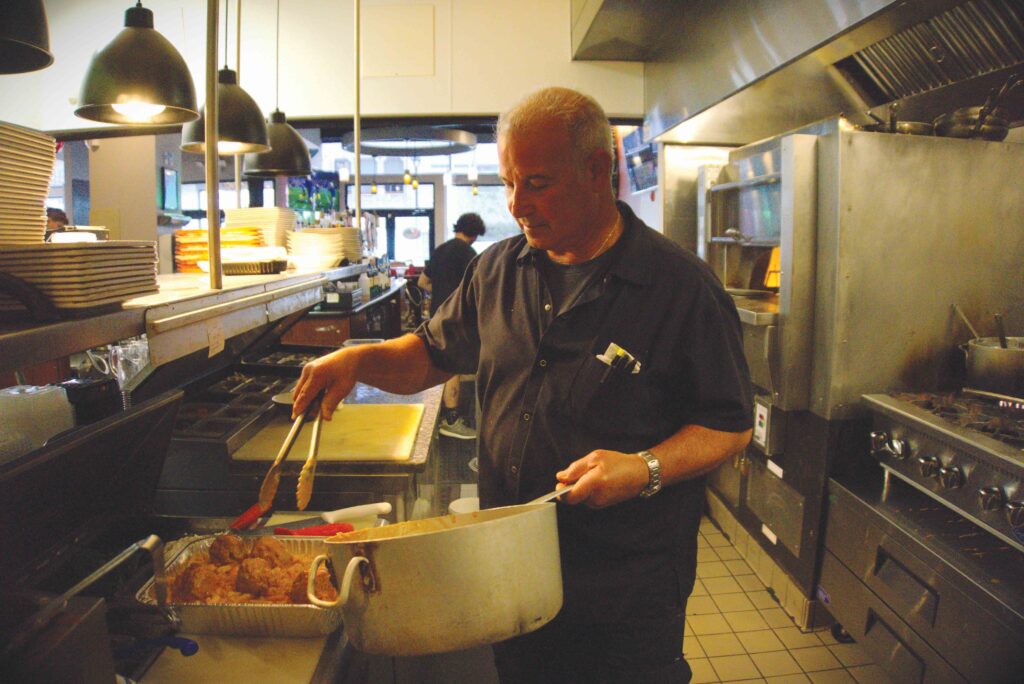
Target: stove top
1001, 419
964, 451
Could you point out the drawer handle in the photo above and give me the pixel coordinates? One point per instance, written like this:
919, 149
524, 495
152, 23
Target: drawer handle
905, 587
882, 639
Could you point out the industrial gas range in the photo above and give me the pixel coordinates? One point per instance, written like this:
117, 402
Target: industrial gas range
924, 559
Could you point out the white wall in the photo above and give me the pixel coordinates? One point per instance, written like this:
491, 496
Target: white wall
420, 57
122, 187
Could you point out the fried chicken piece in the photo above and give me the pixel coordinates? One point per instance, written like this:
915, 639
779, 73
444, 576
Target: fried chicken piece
227, 548
198, 581
322, 587
273, 551
254, 576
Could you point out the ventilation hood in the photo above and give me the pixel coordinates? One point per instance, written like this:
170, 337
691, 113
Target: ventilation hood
736, 71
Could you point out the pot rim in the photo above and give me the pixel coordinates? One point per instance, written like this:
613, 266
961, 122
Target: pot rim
1015, 344
418, 529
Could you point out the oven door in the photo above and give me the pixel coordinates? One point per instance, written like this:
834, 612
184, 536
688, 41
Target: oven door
765, 201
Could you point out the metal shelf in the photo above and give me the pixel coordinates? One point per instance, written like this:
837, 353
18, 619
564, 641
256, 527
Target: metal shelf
184, 317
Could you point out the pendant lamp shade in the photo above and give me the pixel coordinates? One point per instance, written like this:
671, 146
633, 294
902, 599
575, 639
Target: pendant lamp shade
24, 37
240, 125
139, 78
288, 155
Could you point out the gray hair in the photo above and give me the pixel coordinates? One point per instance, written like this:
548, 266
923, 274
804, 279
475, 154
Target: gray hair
584, 119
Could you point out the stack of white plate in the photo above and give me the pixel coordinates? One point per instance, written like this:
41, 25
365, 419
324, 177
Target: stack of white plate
315, 248
84, 275
274, 222
26, 165
352, 244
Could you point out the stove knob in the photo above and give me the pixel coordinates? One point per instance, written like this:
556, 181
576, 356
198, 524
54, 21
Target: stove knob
929, 466
951, 477
991, 498
1015, 513
882, 446
878, 442
899, 448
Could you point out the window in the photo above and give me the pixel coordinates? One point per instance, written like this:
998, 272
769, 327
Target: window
490, 203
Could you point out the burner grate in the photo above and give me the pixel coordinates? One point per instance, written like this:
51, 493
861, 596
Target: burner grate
994, 419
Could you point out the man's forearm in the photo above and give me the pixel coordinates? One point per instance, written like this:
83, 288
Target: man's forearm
399, 366
696, 450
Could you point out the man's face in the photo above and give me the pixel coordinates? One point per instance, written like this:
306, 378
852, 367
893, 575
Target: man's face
549, 193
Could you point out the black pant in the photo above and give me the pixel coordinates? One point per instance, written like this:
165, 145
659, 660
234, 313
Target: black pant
644, 650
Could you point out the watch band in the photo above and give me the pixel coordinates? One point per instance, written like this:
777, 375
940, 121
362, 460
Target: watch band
653, 474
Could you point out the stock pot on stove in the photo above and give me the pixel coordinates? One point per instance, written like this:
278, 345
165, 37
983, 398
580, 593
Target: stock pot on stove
447, 583
993, 368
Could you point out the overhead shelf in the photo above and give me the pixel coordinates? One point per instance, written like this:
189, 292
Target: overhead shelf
183, 317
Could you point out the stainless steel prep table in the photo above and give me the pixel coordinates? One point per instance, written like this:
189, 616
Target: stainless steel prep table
196, 481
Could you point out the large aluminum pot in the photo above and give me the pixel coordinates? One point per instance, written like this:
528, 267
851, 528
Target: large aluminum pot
994, 369
447, 583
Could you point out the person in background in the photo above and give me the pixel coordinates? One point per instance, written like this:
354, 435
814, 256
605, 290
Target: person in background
56, 219
440, 278
607, 357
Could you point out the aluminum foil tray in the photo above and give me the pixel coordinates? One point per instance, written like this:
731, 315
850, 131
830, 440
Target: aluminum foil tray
247, 619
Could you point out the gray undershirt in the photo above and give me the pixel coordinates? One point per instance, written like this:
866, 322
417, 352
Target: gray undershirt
567, 282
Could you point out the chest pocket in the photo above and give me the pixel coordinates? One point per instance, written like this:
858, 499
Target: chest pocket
610, 403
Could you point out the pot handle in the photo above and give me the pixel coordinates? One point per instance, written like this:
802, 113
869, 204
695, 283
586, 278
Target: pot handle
311, 585
346, 582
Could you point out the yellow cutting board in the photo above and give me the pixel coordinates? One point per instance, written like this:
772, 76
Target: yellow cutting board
357, 432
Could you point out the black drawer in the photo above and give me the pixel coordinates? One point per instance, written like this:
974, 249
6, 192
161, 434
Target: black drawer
895, 647
918, 586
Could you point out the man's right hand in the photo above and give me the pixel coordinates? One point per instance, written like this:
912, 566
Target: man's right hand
335, 372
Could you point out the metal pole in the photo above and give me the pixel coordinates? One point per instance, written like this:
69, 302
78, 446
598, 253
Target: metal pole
356, 137
238, 70
212, 172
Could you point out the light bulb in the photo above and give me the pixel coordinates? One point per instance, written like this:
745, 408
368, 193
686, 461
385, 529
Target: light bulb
343, 176
230, 147
415, 183
476, 191
373, 188
407, 177
139, 112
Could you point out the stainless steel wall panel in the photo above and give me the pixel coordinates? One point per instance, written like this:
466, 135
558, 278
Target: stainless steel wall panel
908, 226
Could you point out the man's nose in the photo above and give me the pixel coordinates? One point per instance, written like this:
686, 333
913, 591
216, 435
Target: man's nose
517, 205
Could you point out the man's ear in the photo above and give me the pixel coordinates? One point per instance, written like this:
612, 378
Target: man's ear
599, 168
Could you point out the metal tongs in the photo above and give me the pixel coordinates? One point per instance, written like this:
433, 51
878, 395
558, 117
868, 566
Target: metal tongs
271, 481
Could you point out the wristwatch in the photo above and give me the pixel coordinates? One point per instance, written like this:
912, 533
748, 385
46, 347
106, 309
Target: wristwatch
653, 472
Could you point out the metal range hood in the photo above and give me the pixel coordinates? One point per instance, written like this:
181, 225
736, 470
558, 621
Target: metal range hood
736, 71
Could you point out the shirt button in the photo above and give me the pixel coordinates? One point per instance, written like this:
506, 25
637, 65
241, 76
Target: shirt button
543, 363
515, 469
547, 307
526, 416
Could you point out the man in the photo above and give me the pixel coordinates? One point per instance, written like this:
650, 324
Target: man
441, 276
606, 356
56, 219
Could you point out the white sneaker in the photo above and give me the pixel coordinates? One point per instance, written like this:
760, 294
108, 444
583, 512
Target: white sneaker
457, 429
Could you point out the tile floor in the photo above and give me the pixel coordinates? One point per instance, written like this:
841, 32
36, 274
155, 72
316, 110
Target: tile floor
737, 632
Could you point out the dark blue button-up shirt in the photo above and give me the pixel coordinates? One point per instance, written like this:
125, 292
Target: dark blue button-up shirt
547, 400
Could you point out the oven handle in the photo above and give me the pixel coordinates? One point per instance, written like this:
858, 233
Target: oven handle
903, 585
42, 617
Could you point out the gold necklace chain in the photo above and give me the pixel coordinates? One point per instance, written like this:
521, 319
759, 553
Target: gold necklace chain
607, 237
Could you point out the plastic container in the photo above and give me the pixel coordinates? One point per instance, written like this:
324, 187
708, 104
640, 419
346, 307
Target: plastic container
465, 505
37, 413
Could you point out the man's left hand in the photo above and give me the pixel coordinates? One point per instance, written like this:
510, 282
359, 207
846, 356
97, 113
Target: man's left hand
604, 478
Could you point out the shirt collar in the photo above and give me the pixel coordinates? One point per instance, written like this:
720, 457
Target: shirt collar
630, 265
